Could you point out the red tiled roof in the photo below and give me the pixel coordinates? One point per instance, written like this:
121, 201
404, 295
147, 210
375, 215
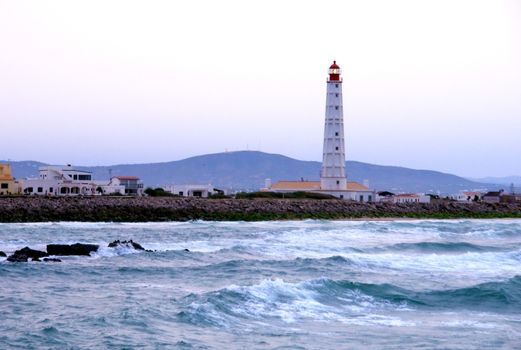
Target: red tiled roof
296, 185
351, 185
472, 193
127, 177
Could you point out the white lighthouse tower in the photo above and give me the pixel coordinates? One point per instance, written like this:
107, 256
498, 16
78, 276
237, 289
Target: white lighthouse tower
333, 180
333, 174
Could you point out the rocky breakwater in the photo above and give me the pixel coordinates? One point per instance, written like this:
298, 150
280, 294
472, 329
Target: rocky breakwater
133, 209
77, 249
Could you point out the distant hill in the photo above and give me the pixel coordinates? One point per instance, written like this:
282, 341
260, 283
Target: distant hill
247, 170
507, 180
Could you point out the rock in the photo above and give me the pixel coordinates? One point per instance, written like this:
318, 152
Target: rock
51, 260
73, 249
30, 253
187, 250
136, 246
3, 254
17, 258
26, 253
127, 244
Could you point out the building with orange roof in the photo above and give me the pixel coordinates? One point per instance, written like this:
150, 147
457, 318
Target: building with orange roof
8, 184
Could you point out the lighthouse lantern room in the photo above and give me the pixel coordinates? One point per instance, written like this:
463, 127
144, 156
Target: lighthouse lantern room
334, 72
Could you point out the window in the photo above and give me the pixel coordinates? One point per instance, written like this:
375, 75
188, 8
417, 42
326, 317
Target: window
29, 190
336, 85
4, 186
51, 189
84, 177
370, 198
336, 133
361, 198
336, 95
181, 193
336, 148
341, 196
39, 189
75, 177
336, 107
337, 182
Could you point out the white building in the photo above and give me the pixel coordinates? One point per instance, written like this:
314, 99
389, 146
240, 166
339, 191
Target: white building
409, 198
333, 178
67, 181
108, 187
131, 184
59, 181
467, 196
191, 190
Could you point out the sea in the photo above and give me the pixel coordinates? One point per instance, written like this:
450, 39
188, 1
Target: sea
312, 284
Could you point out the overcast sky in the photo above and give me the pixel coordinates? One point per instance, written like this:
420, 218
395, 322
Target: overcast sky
427, 84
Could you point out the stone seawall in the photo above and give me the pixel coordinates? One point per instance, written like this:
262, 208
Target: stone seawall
132, 209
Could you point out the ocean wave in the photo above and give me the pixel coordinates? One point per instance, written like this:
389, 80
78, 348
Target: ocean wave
340, 301
440, 247
276, 300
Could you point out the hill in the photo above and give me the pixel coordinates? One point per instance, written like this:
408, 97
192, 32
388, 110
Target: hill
247, 170
507, 180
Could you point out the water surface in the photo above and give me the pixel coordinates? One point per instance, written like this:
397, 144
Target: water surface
267, 285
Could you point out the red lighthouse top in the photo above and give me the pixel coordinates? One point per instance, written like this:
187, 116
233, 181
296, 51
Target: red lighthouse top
334, 72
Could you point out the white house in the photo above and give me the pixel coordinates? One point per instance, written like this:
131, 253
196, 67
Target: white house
59, 181
132, 184
467, 196
67, 181
410, 198
191, 190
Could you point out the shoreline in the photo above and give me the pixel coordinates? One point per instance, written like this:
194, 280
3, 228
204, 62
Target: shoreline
162, 209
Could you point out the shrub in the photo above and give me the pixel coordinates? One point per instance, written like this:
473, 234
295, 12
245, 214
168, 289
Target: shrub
157, 192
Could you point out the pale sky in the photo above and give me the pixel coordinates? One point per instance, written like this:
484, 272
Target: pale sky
427, 84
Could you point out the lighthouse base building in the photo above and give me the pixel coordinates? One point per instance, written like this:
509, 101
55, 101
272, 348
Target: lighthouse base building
333, 180
353, 191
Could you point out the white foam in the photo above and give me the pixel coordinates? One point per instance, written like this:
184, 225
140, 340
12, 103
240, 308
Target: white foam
293, 302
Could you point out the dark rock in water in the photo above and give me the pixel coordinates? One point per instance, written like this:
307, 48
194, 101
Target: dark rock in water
114, 243
187, 250
136, 246
26, 253
73, 249
128, 244
3, 254
51, 260
30, 253
17, 258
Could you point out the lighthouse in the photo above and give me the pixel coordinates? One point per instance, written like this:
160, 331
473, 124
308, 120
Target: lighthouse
333, 173
333, 179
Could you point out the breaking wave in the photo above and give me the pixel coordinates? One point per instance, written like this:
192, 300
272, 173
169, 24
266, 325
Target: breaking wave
342, 301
